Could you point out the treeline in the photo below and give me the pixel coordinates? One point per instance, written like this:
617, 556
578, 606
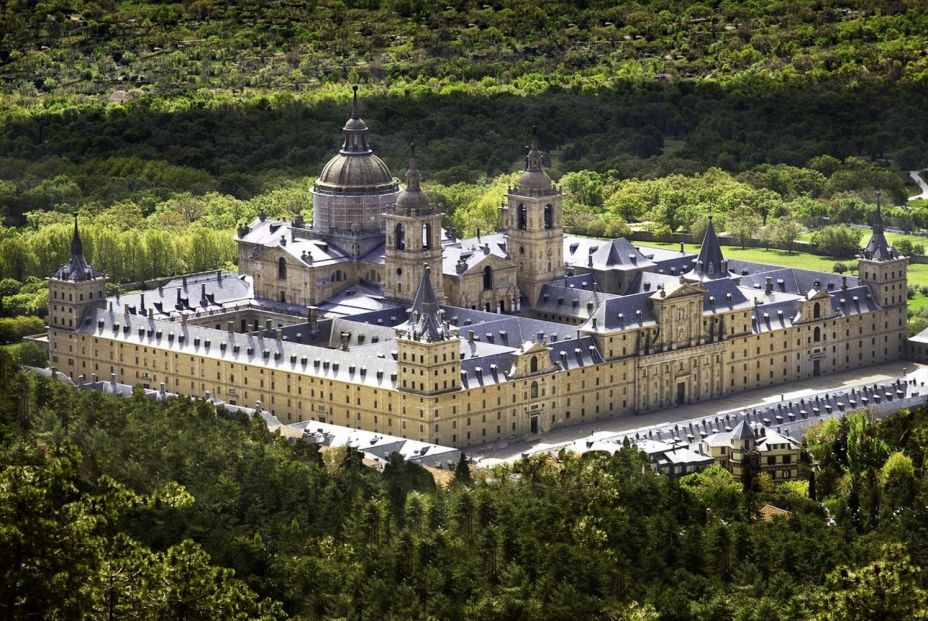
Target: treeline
134, 241
93, 46
118, 494
66, 152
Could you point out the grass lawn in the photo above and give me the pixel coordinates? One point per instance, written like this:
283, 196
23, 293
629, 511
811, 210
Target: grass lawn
801, 260
917, 273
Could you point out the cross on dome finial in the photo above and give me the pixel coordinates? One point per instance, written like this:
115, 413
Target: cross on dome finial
354, 102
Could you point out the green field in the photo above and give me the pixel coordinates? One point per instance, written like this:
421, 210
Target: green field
917, 273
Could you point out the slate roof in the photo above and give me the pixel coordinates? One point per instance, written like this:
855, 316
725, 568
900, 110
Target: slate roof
878, 249
77, 269
465, 254
426, 314
569, 301
710, 263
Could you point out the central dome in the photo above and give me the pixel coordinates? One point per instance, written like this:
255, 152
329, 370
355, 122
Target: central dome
356, 173
355, 187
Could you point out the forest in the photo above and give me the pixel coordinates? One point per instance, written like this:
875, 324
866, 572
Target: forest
117, 507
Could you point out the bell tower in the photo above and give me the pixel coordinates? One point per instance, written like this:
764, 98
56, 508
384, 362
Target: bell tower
413, 240
534, 223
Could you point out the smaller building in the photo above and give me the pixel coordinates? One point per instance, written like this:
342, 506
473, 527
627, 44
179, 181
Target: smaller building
769, 451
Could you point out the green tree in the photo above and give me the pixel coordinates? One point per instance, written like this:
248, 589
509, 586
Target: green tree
837, 241
785, 233
743, 223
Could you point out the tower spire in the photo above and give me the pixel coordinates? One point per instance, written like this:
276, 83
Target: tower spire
534, 156
425, 314
412, 175
77, 246
878, 249
709, 262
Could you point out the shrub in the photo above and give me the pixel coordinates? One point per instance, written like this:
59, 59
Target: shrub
839, 268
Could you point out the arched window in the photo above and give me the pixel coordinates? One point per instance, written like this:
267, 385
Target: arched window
817, 334
399, 237
487, 278
281, 269
816, 311
426, 235
523, 217
534, 390
549, 217
533, 365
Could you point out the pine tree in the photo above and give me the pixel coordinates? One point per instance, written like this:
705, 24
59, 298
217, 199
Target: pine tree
462, 474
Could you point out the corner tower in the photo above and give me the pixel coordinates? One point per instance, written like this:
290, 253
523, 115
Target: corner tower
534, 223
74, 288
882, 267
428, 352
413, 241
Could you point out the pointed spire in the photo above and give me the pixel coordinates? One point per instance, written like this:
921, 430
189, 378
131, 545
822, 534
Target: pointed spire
878, 249
355, 129
77, 268
709, 262
425, 314
77, 246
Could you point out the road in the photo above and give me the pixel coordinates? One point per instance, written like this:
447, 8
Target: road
920, 181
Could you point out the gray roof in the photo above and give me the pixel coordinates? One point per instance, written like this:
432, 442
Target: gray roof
709, 262
426, 321
878, 249
742, 431
77, 268
467, 253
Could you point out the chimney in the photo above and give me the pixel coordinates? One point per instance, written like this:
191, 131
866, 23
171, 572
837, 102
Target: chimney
470, 335
184, 280
113, 378
218, 275
93, 378
183, 320
768, 287
682, 251
279, 334
142, 306
313, 312
231, 326
162, 388
203, 293
345, 338
478, 234
111, 306
80, 380
125, 309
844, 283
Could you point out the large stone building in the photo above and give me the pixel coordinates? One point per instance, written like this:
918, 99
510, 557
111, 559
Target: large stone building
373, 317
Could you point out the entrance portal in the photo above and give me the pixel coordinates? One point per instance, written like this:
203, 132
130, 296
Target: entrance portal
681, 393
816, 368
534, 424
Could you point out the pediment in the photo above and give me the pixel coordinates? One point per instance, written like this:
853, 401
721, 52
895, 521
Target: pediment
681, 290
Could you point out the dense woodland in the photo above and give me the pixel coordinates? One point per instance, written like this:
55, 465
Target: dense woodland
167, 124
123, 508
